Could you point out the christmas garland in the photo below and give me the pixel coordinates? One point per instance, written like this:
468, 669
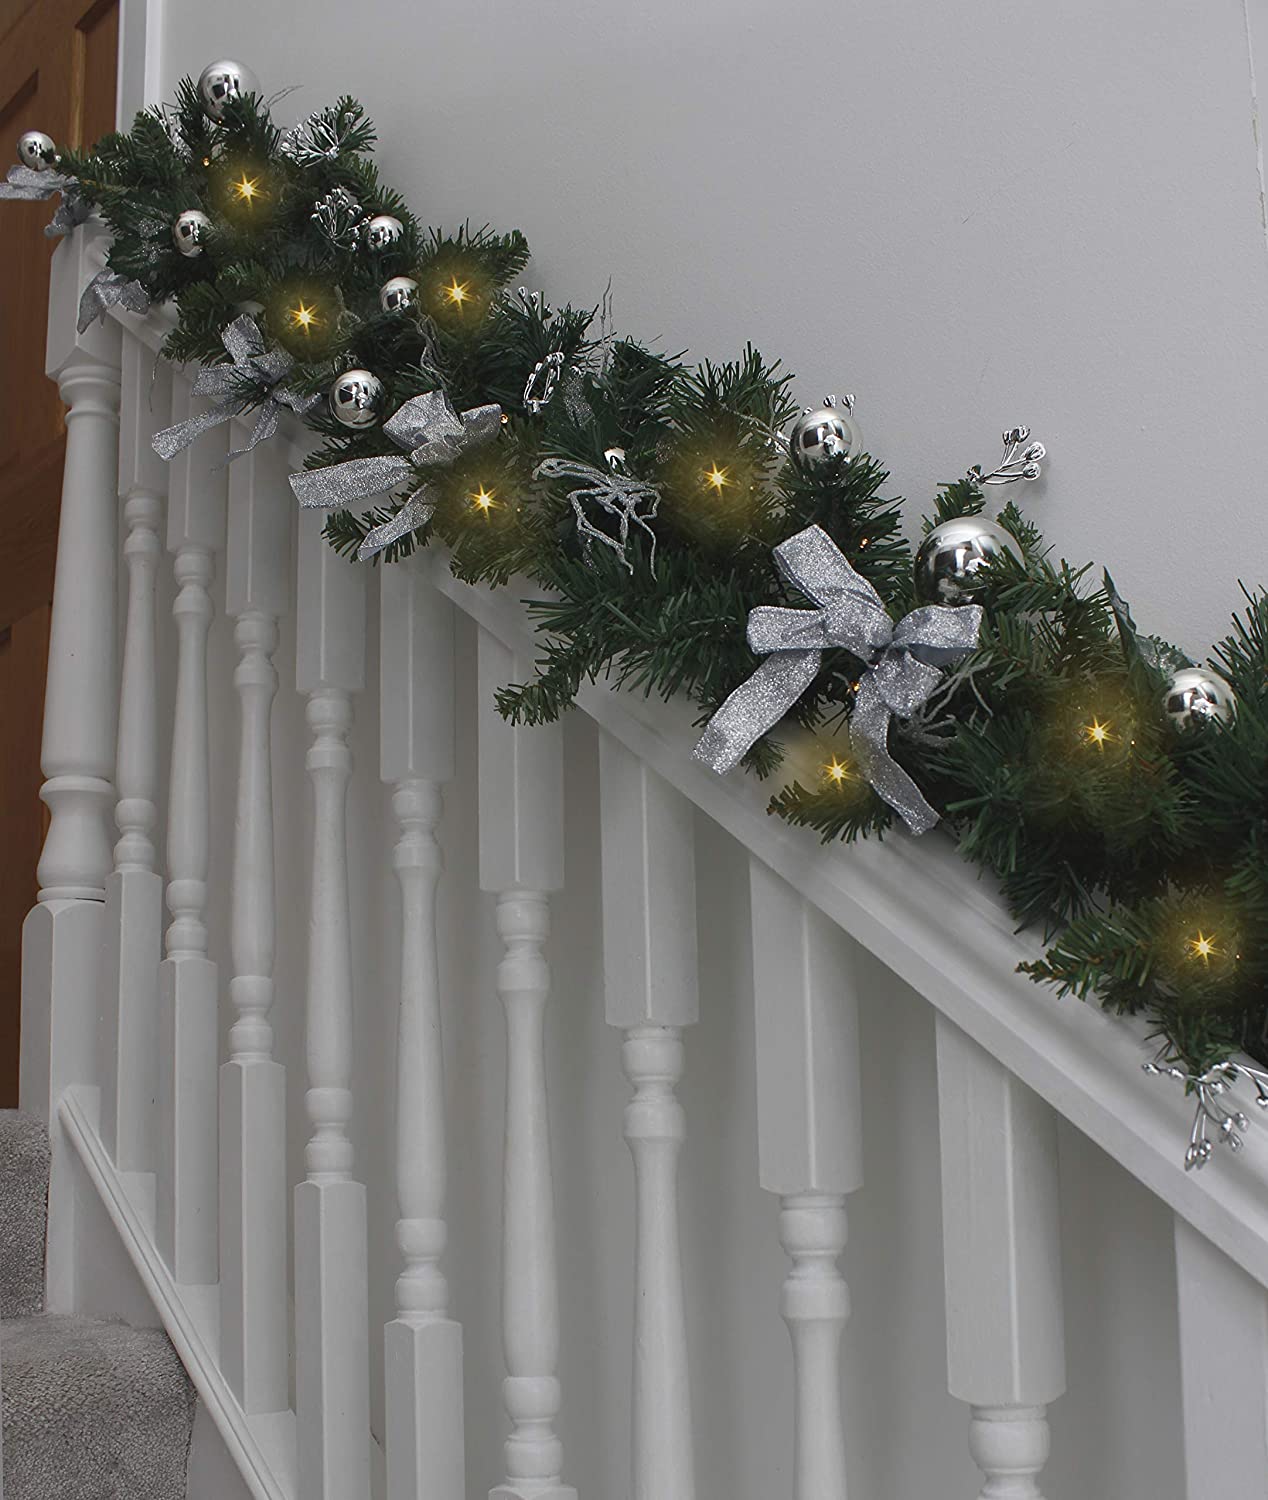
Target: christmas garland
1117, 791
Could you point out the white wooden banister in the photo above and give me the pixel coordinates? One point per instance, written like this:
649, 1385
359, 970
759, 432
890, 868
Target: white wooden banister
332, 1357
650, 990
423, 1344
810, 1129
1001, 1237
134, 891
1224, 1372
253, 1261
189, 1031
521, 861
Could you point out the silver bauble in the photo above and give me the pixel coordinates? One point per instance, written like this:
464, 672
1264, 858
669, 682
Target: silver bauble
825, 432
1195, 696
189, 231
954, 551
382, 232
399, 294
355, 398
37, 151
219, 82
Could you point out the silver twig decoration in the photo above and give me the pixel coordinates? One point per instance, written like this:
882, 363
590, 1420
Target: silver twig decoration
432, 434
317, 139
340, 218
630, 500
541, 383
1210, 1088
1016, 463
235, 386
904, 663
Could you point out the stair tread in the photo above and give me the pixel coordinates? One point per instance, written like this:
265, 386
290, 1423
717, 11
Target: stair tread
24, 1163
93, 1410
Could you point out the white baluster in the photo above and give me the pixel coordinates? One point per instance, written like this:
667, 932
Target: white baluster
253, 1271
650, 987
187, 1184
332, 1353
1002, 1260
134, 892
62, 935
809, 1108
422, 1345
1224, 1372
521, 859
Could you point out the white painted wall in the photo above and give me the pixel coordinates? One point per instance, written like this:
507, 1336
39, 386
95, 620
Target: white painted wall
970, 215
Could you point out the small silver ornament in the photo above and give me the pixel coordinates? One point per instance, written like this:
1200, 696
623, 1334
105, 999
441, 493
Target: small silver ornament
37, 151
189, 231
399, 294
220, 82
355, 398
1195, 696
382, 232
825, 432
953, 552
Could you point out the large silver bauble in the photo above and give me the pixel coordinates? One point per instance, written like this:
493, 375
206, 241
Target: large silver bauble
399, 294
382, 232
37, 151
822, 433
189, 231
355, 398
953, 552
1195, 696
219, 82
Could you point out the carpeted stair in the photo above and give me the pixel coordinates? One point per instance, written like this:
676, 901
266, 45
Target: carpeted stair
92, 1410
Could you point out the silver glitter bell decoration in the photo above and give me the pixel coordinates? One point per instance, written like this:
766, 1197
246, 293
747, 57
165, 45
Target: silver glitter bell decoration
825, 432
382, 232
37, 151
219, 82
355, 398
953, 552
1195, 696
189, 231
399, 294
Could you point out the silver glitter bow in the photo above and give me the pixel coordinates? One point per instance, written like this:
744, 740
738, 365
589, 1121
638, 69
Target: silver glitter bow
232, 388
630, 500
1210, 1088
905, 662
109, 289
433, 434
30, 186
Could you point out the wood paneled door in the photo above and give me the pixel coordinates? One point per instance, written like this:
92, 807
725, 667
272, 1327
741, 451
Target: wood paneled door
58, 74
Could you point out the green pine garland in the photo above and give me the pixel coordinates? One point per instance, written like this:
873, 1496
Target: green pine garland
1142, 853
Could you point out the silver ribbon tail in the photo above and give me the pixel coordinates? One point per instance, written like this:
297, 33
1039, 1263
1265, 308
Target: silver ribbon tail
904, 664
109, 289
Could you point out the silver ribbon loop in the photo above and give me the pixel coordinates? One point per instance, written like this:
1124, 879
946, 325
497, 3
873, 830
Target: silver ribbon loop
904, 664
434, 435
228, 387
109, 289
28, 185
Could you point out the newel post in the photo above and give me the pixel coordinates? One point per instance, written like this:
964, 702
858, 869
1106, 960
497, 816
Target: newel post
61, 937
332, 1336
521, 860
810, 1133
1001, 1234
650, 995
422, 1345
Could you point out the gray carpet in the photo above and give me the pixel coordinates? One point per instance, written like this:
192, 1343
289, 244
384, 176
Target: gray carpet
92, 1410
23, 1198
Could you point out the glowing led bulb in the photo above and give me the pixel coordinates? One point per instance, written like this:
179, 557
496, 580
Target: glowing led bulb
456, 292
836, 771
1203, 947
483, 500
247, 188
304, 317
717, 478
1096, 733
